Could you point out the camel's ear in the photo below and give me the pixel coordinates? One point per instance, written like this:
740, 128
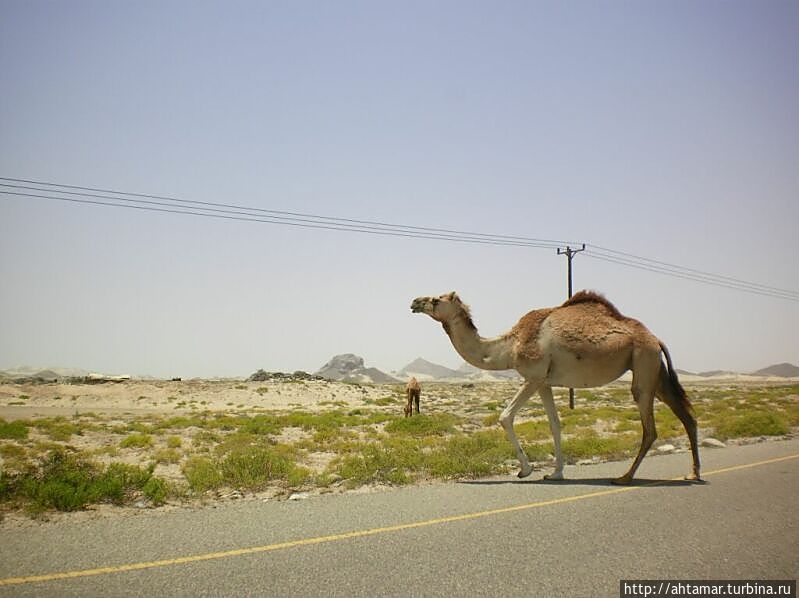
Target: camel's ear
453, 296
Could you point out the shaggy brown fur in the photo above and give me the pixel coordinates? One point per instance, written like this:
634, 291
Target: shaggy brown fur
593, 297
526, 332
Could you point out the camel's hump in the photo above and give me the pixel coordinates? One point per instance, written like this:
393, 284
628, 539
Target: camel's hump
583, 297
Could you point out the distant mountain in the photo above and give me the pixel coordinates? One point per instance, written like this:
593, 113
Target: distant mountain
782, 370
473, 373
426, 370
27, 371
712, 373
350, 368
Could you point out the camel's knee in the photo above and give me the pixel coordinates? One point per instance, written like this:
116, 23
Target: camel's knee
506, 420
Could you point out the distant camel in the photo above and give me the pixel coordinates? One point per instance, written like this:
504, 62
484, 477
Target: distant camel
414, 391
584, 342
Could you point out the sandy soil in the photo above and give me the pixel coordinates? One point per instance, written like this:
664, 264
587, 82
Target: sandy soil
18, 401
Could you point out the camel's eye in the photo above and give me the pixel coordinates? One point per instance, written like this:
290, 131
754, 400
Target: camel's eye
436, 302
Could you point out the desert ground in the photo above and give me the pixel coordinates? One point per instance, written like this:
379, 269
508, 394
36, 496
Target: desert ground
190, 444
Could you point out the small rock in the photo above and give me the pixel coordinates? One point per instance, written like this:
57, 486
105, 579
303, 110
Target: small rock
299, 496
666, 448
713, 443
140, 504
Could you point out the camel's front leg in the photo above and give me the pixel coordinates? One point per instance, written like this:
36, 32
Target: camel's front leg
506, 419
554, 427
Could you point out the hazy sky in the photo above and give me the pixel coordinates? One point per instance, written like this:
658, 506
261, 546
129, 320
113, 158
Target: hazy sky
668, 130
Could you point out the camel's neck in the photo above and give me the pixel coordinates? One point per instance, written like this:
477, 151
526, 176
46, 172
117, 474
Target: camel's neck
483, 353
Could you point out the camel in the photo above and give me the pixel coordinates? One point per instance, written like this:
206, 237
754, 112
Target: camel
414, 391
583, 343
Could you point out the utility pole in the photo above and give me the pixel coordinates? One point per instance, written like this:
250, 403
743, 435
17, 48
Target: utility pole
570, 253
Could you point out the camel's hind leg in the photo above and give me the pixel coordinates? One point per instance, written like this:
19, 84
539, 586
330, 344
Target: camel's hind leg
675, 398
554, 426
506, 419
644, 395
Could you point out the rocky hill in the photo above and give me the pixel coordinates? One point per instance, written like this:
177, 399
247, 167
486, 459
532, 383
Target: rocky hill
781, 370
351, 368
717, 373
44, 373
477, 374
421, 369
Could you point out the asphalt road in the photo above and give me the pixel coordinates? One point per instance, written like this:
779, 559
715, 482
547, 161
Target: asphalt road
490, 537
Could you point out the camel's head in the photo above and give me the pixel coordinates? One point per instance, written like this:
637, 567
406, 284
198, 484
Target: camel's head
442, 308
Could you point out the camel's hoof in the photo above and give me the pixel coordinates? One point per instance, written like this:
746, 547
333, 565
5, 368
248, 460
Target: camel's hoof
622, 481
524, 472
694, 477
554, 477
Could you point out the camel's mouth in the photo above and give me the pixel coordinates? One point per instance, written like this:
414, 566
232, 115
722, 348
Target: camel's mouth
417, 306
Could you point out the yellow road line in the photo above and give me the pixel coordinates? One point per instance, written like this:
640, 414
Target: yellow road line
355, 534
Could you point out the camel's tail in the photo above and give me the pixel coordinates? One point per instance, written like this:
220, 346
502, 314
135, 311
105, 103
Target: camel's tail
672, 385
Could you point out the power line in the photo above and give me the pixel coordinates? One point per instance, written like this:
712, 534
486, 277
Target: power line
194, 204
611, 253
788, 295
75, 194
244, 217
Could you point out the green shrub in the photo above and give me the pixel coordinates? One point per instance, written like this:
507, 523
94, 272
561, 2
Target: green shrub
141, 428
473, 455
136, 440
58, 428
319, 421
11, 451
202, 474
156, 490
16, 430
253, 466
491, 419
376, 462
167, 455
245, 465
437, 424
5, 486
261, 425
68, 482
384, 401
532, 431
750, 423
589, 445
667, 424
